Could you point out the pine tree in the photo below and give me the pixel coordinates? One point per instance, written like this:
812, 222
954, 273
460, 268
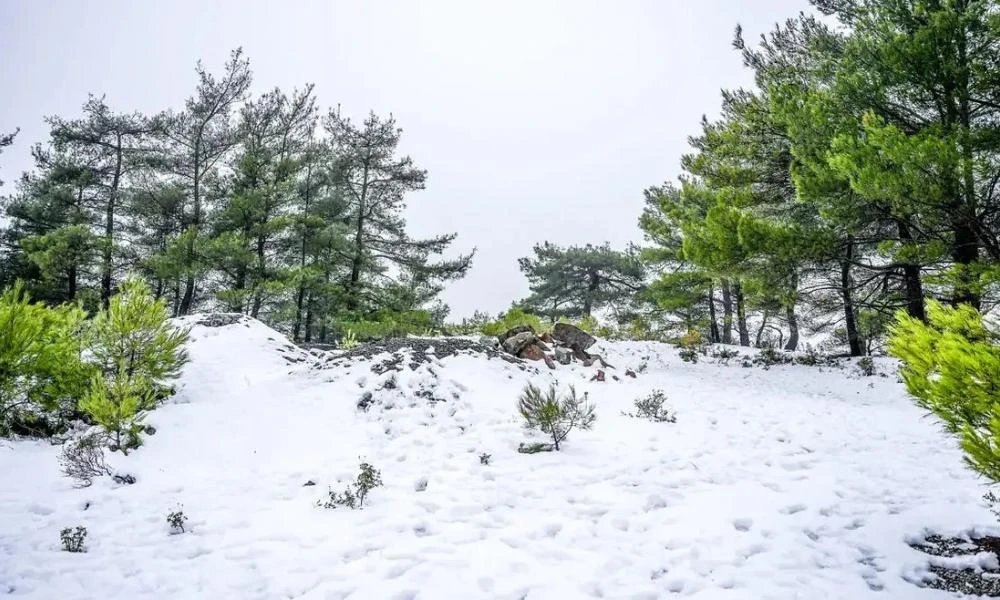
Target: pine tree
40, 366
374, 181
138, 352
195, 141
575, 281
951, 365
114, 146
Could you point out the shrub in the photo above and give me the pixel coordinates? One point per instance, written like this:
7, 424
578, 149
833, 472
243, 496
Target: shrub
724, 355
388, 324
691, 339
73, 540
770, 356
40, 367
83, 460
484, 458
368, 479
951, 366
867, 366
349, 341
688, 354
138, 351
553, 416
514, 317
176, 519
809, 358
651, 407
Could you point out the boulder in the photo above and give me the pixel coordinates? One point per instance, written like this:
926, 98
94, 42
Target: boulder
598, 377
535, 352
518, 342
503, 337
564, 356
572, 336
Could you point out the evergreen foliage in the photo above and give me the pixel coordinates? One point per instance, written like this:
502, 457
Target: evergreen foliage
41, 373
951, 365
552, 415
574, 281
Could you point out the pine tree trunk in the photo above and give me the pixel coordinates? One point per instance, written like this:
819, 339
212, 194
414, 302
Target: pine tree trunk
71, 282
911, 280
309, 318
741, 314
109, 228
352, 293
966, 240
793, 328
760, 332
714, 324
188, 300
727, 313
258, 293
846, 291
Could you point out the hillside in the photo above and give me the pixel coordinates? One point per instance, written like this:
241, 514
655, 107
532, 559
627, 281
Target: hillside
790, 482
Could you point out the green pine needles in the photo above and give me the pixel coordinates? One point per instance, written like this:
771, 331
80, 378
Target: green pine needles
138, 351
40, 367
951, 365
553, 415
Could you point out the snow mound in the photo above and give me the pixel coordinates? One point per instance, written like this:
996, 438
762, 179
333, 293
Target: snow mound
792, 482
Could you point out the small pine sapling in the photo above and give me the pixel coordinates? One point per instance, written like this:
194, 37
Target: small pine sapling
73, 539
176, 519
867, 366
651, 407
553, 416
368, 479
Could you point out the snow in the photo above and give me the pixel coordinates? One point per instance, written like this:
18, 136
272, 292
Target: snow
792, 482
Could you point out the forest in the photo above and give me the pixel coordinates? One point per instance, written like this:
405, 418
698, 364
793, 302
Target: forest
260, 205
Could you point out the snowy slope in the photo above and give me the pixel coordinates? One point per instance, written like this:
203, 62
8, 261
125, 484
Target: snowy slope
795, 482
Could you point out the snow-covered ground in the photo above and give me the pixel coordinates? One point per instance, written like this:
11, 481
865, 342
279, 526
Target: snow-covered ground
794, 482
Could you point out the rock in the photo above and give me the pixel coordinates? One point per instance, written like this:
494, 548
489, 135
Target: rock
630, 373
535, 448
588, 362
518, 342
564, 356
532, 352
598, 377
123, 478
541, 344
572, 336
309, 483
546, 337
548, 361
503, 337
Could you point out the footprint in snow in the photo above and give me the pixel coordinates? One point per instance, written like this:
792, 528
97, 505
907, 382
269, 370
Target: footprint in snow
793, 509
743, 524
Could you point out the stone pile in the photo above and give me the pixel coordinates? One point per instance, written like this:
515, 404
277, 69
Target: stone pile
563, 345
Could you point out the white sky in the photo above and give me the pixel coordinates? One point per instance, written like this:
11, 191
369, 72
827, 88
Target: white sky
537, 120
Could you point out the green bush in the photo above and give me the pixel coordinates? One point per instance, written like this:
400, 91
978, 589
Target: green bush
40, 367
514, 317
138, 352
951, 366
354, 496
551, 415
388, 324
74, 540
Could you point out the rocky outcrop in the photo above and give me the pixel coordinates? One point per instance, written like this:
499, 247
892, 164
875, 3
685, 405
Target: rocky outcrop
572, 336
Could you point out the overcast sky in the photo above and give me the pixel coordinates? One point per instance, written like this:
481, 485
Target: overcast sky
536, 119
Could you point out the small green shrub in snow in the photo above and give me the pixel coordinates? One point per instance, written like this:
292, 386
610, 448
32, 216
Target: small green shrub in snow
688, 354
651, 408
867, 366
73, 539
354, 496
553, 415
176, 519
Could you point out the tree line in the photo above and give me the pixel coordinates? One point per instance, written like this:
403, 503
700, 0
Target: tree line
858, 176
259, 204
